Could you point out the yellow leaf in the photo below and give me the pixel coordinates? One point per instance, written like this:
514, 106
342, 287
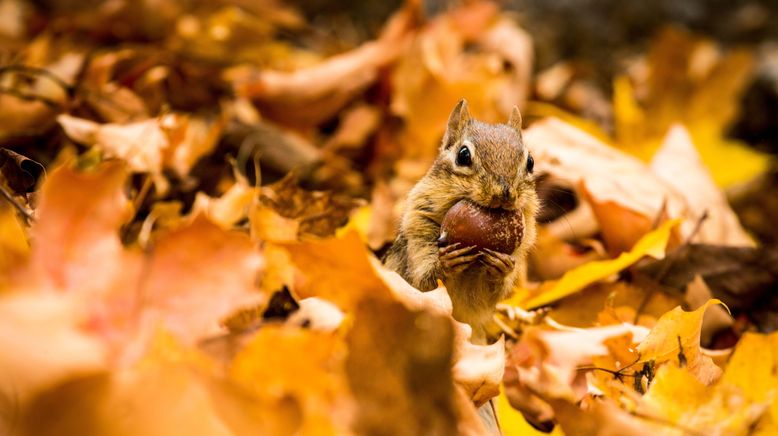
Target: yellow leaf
539, 109
287, 365
676, 337
729, 161
269, 225
359, 221
14, 248
690, 82
676, 396
513, 423
752, 367
652, 244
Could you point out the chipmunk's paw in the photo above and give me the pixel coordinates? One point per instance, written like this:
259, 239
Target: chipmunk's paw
498, 265
454, 260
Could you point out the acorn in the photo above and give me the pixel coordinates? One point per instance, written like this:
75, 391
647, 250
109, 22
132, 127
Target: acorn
470, 224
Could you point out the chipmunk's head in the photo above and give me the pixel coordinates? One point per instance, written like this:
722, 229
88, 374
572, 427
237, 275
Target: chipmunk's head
487, 163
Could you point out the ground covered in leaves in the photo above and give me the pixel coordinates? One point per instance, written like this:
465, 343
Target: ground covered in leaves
196, 196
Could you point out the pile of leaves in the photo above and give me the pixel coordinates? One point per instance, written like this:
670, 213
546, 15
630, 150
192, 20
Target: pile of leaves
196, 196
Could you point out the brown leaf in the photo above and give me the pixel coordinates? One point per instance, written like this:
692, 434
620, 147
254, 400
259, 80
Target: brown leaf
741, 277
20, 173
318, 213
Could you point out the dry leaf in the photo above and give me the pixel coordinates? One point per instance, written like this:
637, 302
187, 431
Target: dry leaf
403, 382
339, 270
653, 244
626, 197
676, 338
441, 68
678, 397
14, 248
312, 95
76, 244
678, 164
140, 144
29, 320
715, 319
291, 365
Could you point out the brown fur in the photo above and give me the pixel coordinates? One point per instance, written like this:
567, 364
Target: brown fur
497, 177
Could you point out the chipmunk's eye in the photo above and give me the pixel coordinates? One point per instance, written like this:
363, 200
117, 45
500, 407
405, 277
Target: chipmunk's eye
530, 164
463, 157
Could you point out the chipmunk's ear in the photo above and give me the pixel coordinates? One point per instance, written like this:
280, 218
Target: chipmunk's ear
515, 119
457, 122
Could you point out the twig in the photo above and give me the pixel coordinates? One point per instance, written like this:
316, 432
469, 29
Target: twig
505, 328
615, 373
23, 210
32, 71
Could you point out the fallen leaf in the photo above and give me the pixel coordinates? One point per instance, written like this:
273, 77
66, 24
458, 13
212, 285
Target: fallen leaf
140, 144
479, 369
195, 276
543, 367
31, 319
319, 213
318, 315
311, 95
706, 100
76, 245
229, 209
602, 418
14, 247
626, 197
715, 319
283, 364
678, 164
676, 338
677, 396
460, 54
741, 277
388, 376
338, 269
20, 173
653, 244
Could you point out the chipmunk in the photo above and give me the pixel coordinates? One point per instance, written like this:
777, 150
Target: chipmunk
489, 165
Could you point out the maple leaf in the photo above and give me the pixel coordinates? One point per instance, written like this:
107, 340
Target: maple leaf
676, 338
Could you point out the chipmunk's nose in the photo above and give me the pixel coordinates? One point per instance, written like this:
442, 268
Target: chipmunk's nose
502, 199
